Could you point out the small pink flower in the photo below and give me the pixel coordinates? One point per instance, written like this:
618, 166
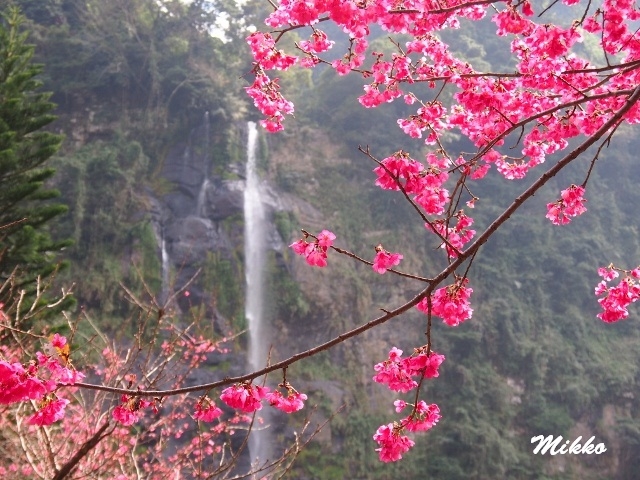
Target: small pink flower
293, 402
317, 257
326, 238
58, 341
424, 417
608, 274
124, 415
570, 204
420, 362
392, 443
315, 253
206, 410
128, 412
341, 67
450, 303
400, 405
51, 411
244, 397
299, 247
385, 260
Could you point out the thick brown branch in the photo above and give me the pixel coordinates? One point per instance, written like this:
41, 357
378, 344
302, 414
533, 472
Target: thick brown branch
82, 452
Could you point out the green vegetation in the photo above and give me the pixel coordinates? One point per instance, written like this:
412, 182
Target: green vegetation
27, 250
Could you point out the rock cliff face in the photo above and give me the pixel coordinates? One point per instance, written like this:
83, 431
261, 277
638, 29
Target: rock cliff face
201, 217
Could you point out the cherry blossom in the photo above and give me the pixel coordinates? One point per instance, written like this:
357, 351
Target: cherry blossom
398, 373
400, 405
399, 170
51, 410
264, 52
293, 402
616, 299
423, 418
19, 384
571, 204
326, 238
393, 373
130, 409
318, 43
385, 260
392, 443
457, 236
244, 397
315, 252
450, 303
206, 410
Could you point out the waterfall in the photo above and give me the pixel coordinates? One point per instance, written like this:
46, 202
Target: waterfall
202, 198
202, 194
165, 269
255, 252
206, 124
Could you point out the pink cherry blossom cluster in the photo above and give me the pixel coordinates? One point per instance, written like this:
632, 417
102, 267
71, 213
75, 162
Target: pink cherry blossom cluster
264, 52
315, 252
206, 410
488, 106
293, 402
456, 236
450, 303
570, 204
422, 418
384, 260
400, 171
318, 43
399, 374
393, 444
617, 298
40, 381
130, 409
268, 99
244, 397
247, 397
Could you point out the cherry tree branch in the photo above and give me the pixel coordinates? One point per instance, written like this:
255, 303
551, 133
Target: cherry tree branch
440, 10
544, 178
89, 445
443, 275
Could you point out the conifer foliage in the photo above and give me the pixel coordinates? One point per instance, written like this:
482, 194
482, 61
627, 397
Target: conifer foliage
26, 249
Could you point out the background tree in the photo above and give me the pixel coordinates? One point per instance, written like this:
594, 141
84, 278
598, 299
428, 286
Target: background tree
26, 248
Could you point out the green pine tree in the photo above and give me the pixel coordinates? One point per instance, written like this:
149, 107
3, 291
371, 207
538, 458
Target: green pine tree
26, 248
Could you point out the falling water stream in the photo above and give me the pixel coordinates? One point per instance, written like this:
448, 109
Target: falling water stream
255, 251
202, 194
165, 268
